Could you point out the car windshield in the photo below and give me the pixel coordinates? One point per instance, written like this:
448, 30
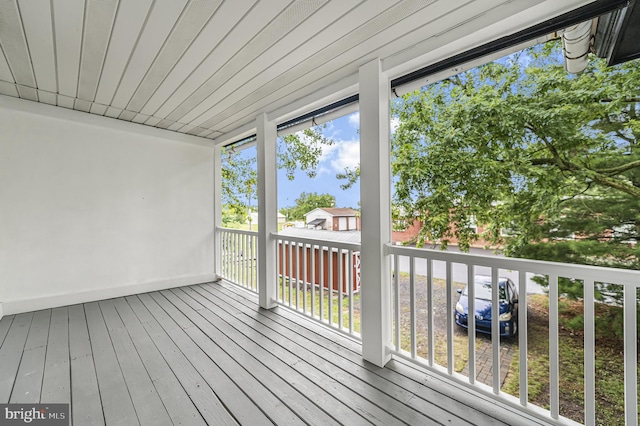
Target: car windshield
483, 290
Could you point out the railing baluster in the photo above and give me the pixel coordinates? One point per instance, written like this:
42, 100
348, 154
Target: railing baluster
522, 337
449, 319
412, 304
471, 322
554, 384
290, 270
321, 301
341, 280
283, 266
396, 292
350, 283
254, 258
330, 287
304, 278
495, 328
244, 261
589, 354
630, 355
313, 279
430, 314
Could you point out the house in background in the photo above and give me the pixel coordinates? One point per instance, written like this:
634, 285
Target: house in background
333, 219
253, 218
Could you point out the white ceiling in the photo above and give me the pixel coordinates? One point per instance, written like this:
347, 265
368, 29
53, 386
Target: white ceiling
208, 67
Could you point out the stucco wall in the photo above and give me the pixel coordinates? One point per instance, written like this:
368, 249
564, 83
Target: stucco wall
92, 208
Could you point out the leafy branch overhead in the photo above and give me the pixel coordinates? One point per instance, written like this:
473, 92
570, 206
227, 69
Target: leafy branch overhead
519, 144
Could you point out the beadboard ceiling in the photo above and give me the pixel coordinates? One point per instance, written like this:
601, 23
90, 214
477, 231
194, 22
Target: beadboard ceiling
208, 67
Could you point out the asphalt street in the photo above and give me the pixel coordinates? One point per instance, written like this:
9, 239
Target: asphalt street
459, 271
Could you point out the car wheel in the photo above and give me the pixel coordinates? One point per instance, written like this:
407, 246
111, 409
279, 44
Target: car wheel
515, 329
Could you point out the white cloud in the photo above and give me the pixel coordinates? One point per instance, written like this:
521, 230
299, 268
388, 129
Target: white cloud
354, 120
394, 124
347, 155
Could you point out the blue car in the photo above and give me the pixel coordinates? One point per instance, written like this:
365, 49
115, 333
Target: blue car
483, 309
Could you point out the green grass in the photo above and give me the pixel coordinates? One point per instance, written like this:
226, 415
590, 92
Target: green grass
298, 293
608, 358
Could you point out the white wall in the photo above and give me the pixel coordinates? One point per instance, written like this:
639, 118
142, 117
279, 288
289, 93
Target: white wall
92, 207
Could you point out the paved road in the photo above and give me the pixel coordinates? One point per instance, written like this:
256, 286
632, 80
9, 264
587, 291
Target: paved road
460, 271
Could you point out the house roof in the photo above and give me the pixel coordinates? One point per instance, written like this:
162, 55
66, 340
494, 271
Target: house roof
208, 68
317, 222
339, 211
321, 234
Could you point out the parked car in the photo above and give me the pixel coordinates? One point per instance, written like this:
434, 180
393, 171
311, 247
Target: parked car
483, 310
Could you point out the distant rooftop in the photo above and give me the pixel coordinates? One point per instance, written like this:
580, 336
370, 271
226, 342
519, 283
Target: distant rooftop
340, 211
321, 234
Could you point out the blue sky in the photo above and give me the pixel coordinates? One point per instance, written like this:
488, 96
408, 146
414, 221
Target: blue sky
345, 152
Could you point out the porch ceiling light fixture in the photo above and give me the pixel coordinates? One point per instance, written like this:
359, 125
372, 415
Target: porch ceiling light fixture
576, 44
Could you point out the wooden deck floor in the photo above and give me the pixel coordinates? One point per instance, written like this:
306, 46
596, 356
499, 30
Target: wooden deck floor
206, 354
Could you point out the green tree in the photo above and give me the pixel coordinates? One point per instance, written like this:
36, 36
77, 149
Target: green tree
298, 151
520, 145
307, 202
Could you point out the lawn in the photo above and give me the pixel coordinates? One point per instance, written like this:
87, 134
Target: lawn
608, 357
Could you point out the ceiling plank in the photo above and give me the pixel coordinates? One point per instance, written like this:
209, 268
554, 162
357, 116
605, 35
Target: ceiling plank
194, 17
8, 89
283, 25
129, 22
37, 24
204, 55
303, 72
14, 45
99, 18
162, 18
5, 71
289, 48
68, 24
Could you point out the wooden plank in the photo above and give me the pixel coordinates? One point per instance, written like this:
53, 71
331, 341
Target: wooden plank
37, 24
176, 401
329, 378
230, 394
422, 384
207, 402
11, 352
29, 378
146, 401
243, 368
116, 402
87, 406
298, 392
56, 383
69, 21
347, 348
5, 324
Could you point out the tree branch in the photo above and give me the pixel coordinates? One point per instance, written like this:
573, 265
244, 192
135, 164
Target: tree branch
619, 169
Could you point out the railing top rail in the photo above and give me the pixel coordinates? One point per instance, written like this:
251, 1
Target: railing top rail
569, 270
317, 242
236, 231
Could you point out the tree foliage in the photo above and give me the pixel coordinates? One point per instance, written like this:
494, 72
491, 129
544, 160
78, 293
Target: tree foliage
307, 202
297, 151
521, 146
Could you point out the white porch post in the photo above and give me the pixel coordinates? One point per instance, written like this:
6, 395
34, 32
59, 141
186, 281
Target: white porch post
217, 209
267, 211
375, 198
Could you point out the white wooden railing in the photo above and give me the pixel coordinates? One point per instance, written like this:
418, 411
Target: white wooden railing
521, 271
239, 254
320, 279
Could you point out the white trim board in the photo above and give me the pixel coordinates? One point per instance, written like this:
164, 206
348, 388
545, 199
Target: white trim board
45, 110
53, 301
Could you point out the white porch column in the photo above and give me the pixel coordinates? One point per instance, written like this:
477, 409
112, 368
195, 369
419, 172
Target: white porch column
375, 198
267, 211
217, 209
